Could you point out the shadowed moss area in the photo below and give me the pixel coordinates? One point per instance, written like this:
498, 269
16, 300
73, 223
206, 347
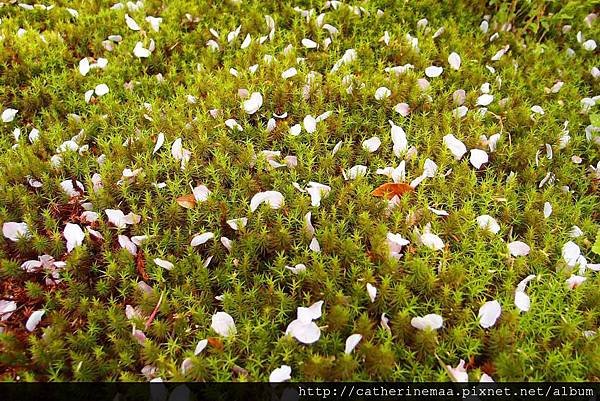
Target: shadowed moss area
163, 124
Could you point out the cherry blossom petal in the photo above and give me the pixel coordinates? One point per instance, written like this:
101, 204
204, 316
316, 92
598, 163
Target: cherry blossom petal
254, 103
372, 144
455, 146
74, 236
223, 324
273, 199
8, 115
281, 374
371, 291
454, 60
518, 248
237, 224
200, 239
489, 313
487, 222
427, 322
165, 264
15, 231
126, 243
317, 191
310, 124
478, 158
351, 343
433, 71
34, 319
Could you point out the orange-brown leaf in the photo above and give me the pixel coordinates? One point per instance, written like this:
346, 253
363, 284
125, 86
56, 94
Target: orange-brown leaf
215, 342
187, 201
390, 189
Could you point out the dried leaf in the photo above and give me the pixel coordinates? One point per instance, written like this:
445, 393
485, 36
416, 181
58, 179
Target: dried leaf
390, 189
216, 342
140, 264
187, 201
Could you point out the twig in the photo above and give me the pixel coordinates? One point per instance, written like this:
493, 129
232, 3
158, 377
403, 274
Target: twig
154, 312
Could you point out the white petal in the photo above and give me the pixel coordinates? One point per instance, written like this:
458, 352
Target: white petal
351, 343
84, 66
201, 193
485, 99
296, 129
296, 269
575, 232
165, 264
460, 111
372, 291
372, 144
34, 319
438, 212
160, 140
459, 373
433, 71
6, 309
337, 147
272, 198
200, 346
8, 115
306, 333
309, 44
131, 23
589, 45
382, 93
432, 241
310, 124
485, 378
280, 374
357, 171
537, 109
307, 222
427, 322
478, 157
141, 52
200, 239
128, 244
74, 236
314, 245
455, 146
575, 281
571, 253
518, 248
454, 60
154, 22
223, 324
547, 209
316, 192
116, 217
254, 103
14, 231
237, 224
246, 42
398, 139
489, 313
403, 109
487, 222
101, 90
88, 95
70, 190
290, 72
522, 301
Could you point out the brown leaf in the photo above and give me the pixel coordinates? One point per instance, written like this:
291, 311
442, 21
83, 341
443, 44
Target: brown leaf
140, 264
390, 189
216, 343
187, 201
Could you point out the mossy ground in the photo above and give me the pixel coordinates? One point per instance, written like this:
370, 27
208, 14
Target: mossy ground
85, 334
